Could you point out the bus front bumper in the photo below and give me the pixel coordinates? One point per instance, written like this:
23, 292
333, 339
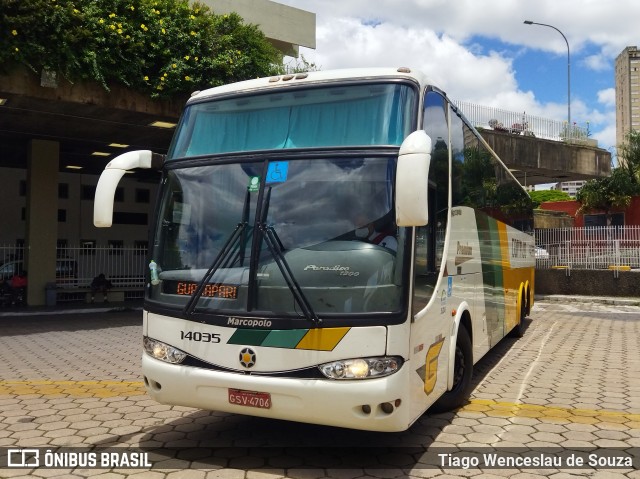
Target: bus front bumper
380, 404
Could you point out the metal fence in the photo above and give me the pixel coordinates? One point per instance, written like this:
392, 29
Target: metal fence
600, 247
76, 266
521, 123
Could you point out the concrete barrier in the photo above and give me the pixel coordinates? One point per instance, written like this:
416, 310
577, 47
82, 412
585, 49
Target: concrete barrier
588, 282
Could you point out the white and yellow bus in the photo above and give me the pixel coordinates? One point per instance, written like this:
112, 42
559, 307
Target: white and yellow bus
336, 247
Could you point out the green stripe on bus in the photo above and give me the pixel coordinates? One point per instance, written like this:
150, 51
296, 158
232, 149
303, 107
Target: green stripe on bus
284, 339
248, 337
272, 339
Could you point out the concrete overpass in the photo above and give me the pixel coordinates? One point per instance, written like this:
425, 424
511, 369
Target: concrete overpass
287, 28
535, 161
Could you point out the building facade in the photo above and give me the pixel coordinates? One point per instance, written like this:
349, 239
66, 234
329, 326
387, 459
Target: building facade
627, 72
569, 187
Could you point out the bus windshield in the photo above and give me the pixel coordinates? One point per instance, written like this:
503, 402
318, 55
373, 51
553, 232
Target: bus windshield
345, 115
276, 229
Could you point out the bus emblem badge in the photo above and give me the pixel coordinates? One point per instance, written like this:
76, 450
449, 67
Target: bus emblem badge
247, 357
431, 370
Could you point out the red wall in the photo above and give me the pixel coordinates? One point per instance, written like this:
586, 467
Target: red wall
631, 214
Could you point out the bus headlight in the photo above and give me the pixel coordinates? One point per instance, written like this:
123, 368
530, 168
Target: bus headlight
361, 368
162, 351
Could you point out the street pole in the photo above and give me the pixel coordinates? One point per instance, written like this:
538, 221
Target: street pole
529, 22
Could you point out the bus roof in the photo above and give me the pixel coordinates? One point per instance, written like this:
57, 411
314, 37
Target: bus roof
283, 81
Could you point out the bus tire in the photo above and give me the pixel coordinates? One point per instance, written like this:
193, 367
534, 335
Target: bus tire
518, 329
463, 370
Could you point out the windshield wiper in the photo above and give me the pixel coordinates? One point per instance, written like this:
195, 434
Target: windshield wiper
229, 245
237, 235
275, 248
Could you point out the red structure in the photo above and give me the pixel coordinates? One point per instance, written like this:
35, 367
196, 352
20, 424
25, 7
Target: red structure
621, 216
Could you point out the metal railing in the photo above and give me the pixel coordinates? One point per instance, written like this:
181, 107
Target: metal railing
521, 123
600, 247
76, 266
122, 266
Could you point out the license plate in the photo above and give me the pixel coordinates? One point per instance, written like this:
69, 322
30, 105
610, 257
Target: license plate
250, 398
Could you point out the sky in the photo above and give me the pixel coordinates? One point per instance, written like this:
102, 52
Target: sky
482, 52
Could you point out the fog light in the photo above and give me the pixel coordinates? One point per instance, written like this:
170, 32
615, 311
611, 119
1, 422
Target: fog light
386, 407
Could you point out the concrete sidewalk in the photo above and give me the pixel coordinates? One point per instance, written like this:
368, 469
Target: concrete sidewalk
569, 385
567, 299
70, 308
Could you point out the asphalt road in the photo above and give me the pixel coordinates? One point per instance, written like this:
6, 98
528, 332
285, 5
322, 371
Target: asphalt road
570, 387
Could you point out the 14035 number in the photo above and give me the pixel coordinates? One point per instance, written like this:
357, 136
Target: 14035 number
200, 337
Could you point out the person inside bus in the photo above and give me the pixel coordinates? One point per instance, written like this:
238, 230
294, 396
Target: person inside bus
378, 232
100, 284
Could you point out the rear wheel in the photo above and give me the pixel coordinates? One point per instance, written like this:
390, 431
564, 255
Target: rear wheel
462, 372
518, 329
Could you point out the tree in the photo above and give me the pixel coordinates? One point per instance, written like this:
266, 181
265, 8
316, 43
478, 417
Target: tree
607, 194
629, 155
615, 191
300, 65
158, 47
539, 197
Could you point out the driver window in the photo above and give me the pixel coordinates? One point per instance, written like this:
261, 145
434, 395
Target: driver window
430, 238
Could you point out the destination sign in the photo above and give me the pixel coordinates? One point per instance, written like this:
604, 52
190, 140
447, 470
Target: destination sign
187, 288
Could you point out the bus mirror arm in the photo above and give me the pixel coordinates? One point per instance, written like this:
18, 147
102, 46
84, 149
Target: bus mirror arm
111, 176
412, 180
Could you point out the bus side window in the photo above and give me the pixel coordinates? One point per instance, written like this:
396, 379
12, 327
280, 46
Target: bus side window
425, 268
430, 239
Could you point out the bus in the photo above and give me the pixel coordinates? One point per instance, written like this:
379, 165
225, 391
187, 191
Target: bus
333, 247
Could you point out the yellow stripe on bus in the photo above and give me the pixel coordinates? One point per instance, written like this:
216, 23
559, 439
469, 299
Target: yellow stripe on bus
322, 339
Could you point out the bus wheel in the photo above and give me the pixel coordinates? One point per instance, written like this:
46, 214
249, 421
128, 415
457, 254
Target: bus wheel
462, 372
518, 329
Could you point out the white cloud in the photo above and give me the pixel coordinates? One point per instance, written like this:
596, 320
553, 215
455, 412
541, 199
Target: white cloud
350, 43
607, 97
448, 40
597, 62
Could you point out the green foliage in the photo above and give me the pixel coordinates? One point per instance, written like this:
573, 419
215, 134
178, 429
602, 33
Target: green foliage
539, 197
605, 194
301, 65
574, 132
629, 154
158, 47
615, 191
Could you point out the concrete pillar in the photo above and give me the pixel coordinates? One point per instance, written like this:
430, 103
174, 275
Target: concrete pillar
43, 158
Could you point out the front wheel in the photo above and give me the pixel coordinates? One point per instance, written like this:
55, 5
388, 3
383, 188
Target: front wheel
462, 372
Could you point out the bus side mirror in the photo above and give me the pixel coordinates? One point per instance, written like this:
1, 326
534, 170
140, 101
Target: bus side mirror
110, 177
412, 180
